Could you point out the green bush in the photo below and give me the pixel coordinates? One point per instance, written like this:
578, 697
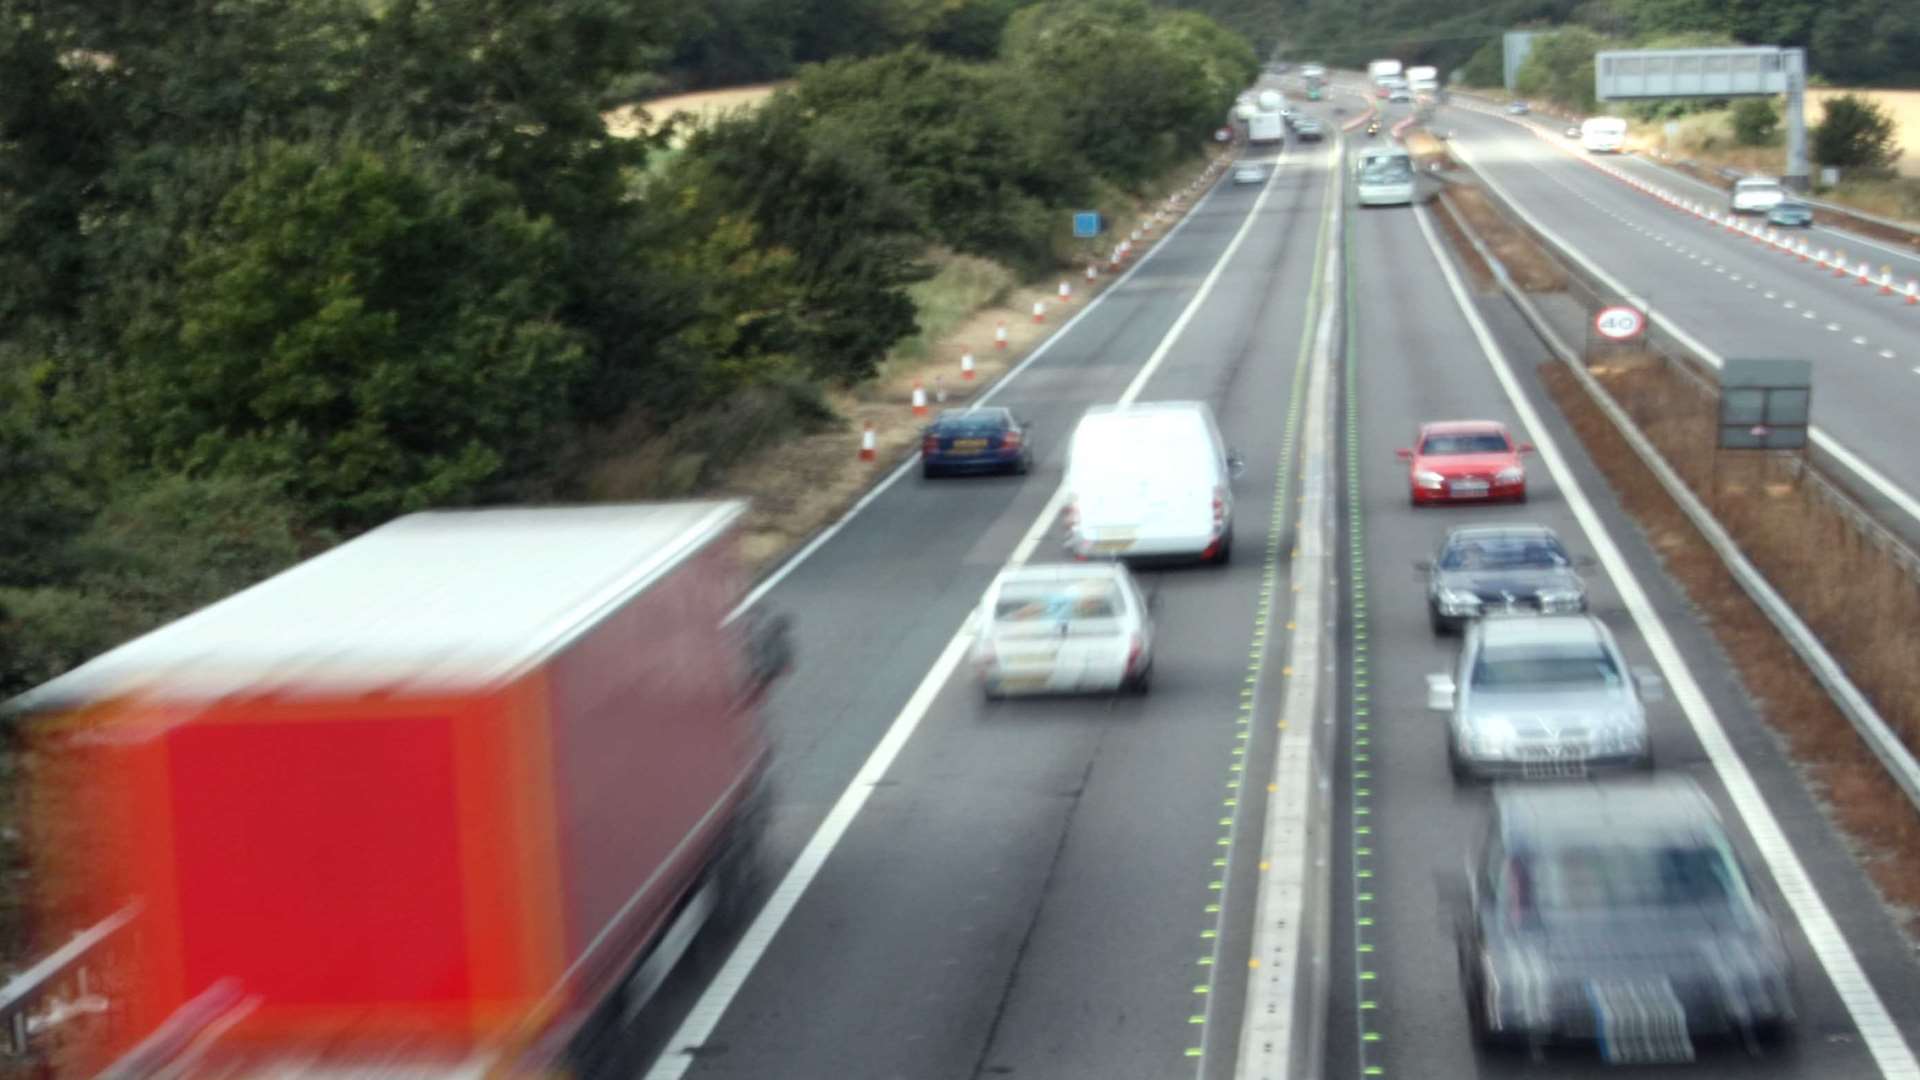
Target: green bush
1756, 123
1854, 133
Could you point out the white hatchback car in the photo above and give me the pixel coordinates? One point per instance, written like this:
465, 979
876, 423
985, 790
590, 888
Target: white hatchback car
1757, 195
1063, 629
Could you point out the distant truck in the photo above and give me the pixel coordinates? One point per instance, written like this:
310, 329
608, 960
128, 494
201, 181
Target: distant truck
437, 802
1380, 69
1266, 126
1603, 134
1423, 79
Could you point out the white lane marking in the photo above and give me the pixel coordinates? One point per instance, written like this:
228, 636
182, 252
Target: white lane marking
794, 561
1771, 295
704, 1018
1874, 478
1876, 1028
1859, 340
1886, 354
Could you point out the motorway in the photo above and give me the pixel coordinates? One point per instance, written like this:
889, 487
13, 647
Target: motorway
1063, 888
1413, 355
1737, 297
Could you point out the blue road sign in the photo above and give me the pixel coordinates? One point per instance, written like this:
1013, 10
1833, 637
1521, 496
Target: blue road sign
1086, 224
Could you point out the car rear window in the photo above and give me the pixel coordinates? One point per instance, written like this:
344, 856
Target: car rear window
970, 427
1055, 602
1473, 442
1526, 666
1625, 876
1503, 553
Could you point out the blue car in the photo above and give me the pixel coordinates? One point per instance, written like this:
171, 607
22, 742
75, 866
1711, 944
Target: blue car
1796, 215
975, 440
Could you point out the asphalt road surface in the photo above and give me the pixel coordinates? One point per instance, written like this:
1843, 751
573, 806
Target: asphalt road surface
1413, 356
1060, 888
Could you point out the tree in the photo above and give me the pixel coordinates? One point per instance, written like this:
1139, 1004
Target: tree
371, 330
1560, 68
1487, 67
1854, 133
814, 187
1756, 122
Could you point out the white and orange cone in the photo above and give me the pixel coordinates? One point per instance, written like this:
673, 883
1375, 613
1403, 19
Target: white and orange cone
1066, 293
1039, 311
1000, 335
919, 399
966, 366
868, 449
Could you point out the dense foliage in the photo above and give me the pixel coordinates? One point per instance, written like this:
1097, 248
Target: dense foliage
1854, 133
271, 273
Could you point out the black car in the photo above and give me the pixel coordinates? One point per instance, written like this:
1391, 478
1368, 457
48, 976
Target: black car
975, 440
1483, 568
1617, 914
1308, 129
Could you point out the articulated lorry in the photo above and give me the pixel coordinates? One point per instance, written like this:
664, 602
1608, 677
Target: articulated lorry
446, 800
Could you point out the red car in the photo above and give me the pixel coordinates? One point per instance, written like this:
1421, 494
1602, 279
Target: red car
1466, 461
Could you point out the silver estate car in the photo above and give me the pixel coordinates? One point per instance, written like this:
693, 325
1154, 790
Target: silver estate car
1543, 696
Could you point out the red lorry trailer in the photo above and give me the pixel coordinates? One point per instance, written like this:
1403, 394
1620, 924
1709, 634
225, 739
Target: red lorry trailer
428, 802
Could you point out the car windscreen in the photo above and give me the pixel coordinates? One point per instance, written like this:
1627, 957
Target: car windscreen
1048, 604
1503, 553
1470, 442
1618, 876
1530, 666
1391, 170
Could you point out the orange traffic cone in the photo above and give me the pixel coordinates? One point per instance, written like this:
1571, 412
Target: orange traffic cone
966, 366
867, 449
919, 399
1000, 335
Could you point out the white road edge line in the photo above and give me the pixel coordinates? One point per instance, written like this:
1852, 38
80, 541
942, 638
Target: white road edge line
702, 1020
1676, 174
1876, 1028
795, 560
1906, 502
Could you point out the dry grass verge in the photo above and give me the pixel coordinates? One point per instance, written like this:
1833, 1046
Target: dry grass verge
1870, 809
1531, 268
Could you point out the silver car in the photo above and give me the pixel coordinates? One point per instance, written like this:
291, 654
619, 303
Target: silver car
1062, 629
1543, 696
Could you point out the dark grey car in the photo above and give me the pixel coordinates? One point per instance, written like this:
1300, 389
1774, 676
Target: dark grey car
1506, 568
1617, 914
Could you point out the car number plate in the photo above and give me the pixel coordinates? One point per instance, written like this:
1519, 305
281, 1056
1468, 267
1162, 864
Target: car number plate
1469, 489
969, 445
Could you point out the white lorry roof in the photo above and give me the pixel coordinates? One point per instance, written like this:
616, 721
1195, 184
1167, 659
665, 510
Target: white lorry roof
437, 600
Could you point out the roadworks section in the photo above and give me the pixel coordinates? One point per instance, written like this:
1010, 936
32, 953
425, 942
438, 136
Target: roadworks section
800, 486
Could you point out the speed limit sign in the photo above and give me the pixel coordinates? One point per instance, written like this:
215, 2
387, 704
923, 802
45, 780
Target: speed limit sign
1619, 323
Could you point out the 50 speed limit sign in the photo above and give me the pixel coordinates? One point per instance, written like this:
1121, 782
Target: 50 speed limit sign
1619, 323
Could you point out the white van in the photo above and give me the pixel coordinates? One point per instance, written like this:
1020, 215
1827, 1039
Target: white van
1150, 481
1383, 177
1603, 134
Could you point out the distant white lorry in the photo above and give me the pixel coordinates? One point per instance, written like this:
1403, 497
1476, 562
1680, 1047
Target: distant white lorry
1423, 79
1603, 134
1266, 126
1379, 69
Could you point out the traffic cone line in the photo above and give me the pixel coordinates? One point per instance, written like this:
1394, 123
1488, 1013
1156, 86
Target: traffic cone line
868, 450
919, 399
